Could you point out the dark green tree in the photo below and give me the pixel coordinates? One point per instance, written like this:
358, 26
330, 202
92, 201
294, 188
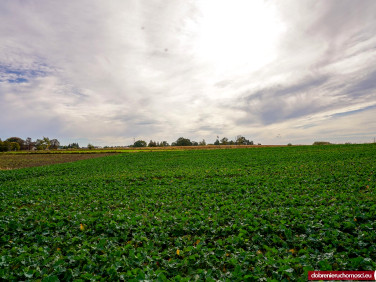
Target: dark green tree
164, 144
14, 146
43, 144
181, 141
6, 146
18, 140
47, 142
139, 143
73, 146
241, 140
224, 141
152, 144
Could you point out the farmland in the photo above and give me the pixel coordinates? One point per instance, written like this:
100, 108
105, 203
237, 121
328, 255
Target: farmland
235, 214
22, 160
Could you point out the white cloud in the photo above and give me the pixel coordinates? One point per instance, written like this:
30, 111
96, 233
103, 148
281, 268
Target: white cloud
108, 72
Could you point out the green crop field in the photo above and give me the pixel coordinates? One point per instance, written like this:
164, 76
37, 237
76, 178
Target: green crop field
236, 215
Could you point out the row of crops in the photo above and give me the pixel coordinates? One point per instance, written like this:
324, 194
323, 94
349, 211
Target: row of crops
237, 214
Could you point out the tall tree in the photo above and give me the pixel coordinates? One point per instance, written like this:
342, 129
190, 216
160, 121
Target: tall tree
241, 140
54, 144
43, 144
47, 142
14, 146
140, 143
224, 141
73, 146
164, 144
40, 145
183, 142
152, 144
6, 146
18, 140
29, 144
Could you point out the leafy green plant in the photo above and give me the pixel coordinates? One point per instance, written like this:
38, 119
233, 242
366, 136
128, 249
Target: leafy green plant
236, 214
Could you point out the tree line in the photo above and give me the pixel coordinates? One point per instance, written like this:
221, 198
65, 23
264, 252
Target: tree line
17, 143
181, 141
45, 143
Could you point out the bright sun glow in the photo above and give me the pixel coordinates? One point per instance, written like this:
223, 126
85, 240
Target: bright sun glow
237, 34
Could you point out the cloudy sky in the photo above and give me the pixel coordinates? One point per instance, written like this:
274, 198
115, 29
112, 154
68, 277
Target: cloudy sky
107, 72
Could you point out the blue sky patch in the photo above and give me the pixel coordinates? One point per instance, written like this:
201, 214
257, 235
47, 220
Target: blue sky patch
18, 80
17, 75
354, 111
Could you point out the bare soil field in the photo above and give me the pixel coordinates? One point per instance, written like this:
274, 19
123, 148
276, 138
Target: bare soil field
15, 161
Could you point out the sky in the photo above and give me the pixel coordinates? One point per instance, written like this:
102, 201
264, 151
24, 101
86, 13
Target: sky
111, 72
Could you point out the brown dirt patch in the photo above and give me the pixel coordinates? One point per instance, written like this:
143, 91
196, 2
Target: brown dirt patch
14, 161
